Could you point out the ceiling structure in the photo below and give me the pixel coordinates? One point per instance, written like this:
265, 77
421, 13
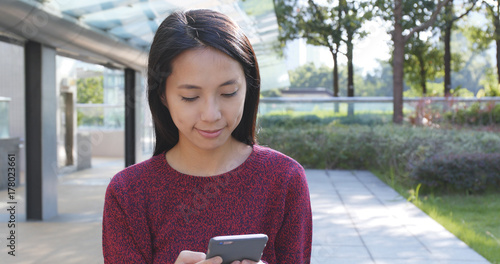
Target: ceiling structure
118, 33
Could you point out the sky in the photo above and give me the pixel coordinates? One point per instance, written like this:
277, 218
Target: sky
375, 46
367, 51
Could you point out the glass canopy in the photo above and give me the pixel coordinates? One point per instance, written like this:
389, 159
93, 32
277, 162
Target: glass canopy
136, 21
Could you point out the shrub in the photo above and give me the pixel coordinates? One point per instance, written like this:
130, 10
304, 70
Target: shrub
402, 149
475, 114
307, 120
471, 173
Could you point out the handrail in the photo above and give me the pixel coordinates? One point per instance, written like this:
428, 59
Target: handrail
99, 105
381, 99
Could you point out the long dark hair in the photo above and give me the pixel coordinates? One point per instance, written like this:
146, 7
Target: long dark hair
182, 31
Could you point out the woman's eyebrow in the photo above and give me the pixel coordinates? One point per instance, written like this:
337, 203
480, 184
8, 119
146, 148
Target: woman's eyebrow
192, 86
230, 82
188, 86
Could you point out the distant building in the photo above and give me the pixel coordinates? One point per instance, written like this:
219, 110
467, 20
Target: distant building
298, 53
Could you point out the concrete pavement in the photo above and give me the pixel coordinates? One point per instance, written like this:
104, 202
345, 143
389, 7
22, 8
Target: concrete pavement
357, 219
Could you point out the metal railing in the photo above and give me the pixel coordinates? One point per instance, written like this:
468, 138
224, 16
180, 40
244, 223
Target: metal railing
364, 104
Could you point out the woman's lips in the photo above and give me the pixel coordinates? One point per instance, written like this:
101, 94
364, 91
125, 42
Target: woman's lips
210, 133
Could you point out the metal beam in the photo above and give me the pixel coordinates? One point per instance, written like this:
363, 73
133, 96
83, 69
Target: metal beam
33, 21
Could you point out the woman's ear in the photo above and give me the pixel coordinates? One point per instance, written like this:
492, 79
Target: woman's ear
163, 100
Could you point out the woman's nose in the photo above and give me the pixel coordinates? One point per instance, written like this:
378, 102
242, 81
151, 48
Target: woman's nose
211, 111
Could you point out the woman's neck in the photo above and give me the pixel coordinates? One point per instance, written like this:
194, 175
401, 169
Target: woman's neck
194, 161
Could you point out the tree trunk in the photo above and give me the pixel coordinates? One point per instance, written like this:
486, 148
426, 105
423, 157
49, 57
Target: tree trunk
350, 73
423, 75
398, 63
335, 80
498, 59
447, 48
335, 75
350, 67
497, 34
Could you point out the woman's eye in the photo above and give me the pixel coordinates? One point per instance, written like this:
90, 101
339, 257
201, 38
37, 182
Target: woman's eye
189, 99
229, 94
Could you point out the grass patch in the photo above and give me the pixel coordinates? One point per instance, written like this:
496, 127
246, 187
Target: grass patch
474, 219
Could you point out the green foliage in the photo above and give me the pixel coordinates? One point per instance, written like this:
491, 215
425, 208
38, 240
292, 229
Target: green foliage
469, 172
462, 92
423, 62
472, 218
378, 83
380, 147
291, 121
433, 89
475, 114
323, 23
308, 76
257, 7
414, 12
271, 93
90, 120
490, 84
479, 38
90, 90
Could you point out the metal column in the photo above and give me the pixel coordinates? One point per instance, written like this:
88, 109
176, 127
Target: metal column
130, 117
41, 131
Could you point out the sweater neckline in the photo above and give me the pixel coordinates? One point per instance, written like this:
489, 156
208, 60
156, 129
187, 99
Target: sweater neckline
234, 171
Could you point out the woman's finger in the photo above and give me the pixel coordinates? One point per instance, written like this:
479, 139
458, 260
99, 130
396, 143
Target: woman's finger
190, 257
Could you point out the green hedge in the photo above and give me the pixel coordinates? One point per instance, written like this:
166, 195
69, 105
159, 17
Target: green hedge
300, 121
473, 173
400, 149
475, 114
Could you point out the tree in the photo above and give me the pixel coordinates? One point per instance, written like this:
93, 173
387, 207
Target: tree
378, 83
493, 11
308, 76
408, 17
449, 18
326, 25
355, 14
90, 90
421, 63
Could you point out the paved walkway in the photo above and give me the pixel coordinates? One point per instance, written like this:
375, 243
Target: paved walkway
357, 219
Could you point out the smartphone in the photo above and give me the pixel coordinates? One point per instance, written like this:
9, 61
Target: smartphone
237, 247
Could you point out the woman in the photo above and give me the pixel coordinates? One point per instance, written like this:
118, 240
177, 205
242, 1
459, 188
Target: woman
207, 177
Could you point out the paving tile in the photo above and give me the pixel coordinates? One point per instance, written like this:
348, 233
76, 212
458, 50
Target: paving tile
325, 253
359, 219
457, 254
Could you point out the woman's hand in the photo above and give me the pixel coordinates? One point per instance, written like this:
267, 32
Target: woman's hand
191, 257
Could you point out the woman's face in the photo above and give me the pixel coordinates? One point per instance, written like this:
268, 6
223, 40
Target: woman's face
205, 95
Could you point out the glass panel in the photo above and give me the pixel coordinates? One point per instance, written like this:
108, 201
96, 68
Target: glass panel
4, 117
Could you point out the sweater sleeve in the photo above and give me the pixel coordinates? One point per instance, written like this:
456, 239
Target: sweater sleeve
125, 238
294, 239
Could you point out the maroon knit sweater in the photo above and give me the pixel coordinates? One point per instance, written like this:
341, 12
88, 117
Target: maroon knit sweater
153, 212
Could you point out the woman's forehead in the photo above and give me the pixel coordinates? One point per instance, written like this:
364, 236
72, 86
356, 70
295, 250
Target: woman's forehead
205, 67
